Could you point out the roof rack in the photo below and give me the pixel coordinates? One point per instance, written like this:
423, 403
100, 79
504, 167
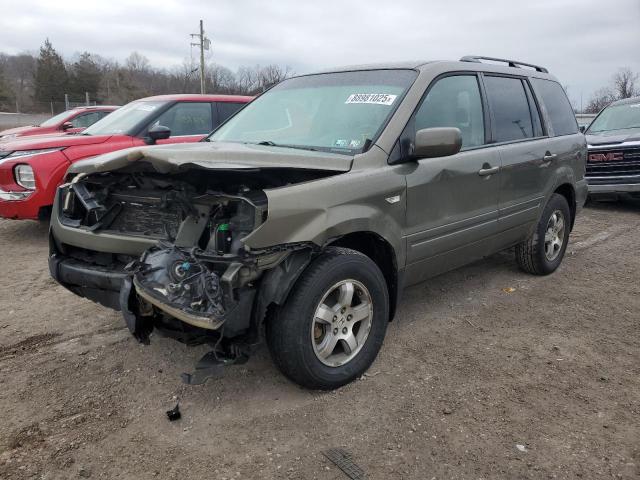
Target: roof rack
511, 63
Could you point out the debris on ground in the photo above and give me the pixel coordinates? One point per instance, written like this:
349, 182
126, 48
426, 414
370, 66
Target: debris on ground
508, 290
522, 448
174, 413
344, 461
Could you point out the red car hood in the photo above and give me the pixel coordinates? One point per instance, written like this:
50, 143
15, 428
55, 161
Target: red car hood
20, 130
51, 141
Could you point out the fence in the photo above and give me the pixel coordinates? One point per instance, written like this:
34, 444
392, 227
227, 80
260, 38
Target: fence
53, 107
10, 120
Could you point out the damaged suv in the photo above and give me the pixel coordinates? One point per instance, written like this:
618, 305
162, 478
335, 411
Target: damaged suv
302, 218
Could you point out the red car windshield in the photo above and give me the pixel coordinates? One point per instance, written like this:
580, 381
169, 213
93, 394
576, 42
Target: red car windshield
53, 121
123, 120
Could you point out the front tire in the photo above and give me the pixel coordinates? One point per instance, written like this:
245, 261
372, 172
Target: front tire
543, 251
333, 324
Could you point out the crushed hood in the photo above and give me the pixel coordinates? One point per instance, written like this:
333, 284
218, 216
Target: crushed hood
217, 156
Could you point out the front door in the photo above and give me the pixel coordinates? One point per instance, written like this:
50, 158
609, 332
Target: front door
452, 202
188, 121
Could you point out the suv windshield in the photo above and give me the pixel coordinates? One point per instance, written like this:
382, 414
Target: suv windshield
336, 112
123, 119
617, 117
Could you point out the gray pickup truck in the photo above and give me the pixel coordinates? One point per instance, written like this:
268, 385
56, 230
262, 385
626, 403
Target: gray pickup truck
613, 138
303, 217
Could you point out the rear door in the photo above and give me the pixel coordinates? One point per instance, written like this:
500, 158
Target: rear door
452, 202
523, 145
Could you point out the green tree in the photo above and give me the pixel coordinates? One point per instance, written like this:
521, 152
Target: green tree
85, 77
51, 79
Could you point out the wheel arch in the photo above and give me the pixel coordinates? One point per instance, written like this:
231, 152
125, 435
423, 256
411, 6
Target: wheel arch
569, 193
382, 253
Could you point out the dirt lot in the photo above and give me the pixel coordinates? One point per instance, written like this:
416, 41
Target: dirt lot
467, 374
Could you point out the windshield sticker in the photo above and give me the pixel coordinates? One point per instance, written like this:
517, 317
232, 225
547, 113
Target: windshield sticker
355, 143
372, 98
341, 143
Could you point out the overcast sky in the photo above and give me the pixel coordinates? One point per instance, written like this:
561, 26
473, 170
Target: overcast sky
582, 42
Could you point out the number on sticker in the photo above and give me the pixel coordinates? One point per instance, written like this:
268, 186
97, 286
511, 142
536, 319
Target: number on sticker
374, 98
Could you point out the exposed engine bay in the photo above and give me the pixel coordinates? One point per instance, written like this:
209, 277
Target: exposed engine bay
193, 266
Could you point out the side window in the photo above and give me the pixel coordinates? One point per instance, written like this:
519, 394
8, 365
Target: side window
187, 118
509, 108
563, 120
87, 119
454, 102
226, 109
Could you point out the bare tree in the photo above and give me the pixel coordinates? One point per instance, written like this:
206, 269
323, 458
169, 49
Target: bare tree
624, 83
247, 80
272, 74
220, 79
600, 99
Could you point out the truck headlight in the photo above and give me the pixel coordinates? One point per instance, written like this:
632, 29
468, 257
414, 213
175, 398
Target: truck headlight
24, 176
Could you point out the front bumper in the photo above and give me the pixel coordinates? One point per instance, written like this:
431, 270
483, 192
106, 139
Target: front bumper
614, 187
99, 284
19, 205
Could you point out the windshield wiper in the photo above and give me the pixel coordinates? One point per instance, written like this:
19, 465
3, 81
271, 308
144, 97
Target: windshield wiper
274, 144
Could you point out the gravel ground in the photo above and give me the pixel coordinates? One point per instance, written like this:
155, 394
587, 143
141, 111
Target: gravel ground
472, 381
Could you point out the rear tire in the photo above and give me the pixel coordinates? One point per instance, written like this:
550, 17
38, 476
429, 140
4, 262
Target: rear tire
333, 324
543, 251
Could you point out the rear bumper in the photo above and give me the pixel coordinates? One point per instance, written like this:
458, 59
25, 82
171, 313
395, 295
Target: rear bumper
582, 192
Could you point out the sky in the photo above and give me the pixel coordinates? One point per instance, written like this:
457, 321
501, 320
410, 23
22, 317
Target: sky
582, 42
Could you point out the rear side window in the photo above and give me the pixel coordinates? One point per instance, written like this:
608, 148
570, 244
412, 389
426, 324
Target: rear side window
454, 102
563, 120
509, 109
226, 109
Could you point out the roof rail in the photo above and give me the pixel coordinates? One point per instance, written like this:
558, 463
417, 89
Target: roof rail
511, 63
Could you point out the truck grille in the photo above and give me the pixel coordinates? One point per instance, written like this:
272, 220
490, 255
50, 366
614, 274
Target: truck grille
613, 166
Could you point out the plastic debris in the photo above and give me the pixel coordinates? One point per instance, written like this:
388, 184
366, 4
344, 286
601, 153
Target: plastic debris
522, 448
174, 414
343, 460
508, 290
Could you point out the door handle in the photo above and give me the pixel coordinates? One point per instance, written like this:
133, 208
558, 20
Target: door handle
548, 157
483, 172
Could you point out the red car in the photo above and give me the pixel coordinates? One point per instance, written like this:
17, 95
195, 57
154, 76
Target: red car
71, 121
32, 168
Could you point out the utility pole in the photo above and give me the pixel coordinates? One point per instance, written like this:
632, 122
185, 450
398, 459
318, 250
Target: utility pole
204, 43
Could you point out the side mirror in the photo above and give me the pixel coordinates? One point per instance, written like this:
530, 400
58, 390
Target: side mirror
583, 128
66, 126
158, 132
437, 142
